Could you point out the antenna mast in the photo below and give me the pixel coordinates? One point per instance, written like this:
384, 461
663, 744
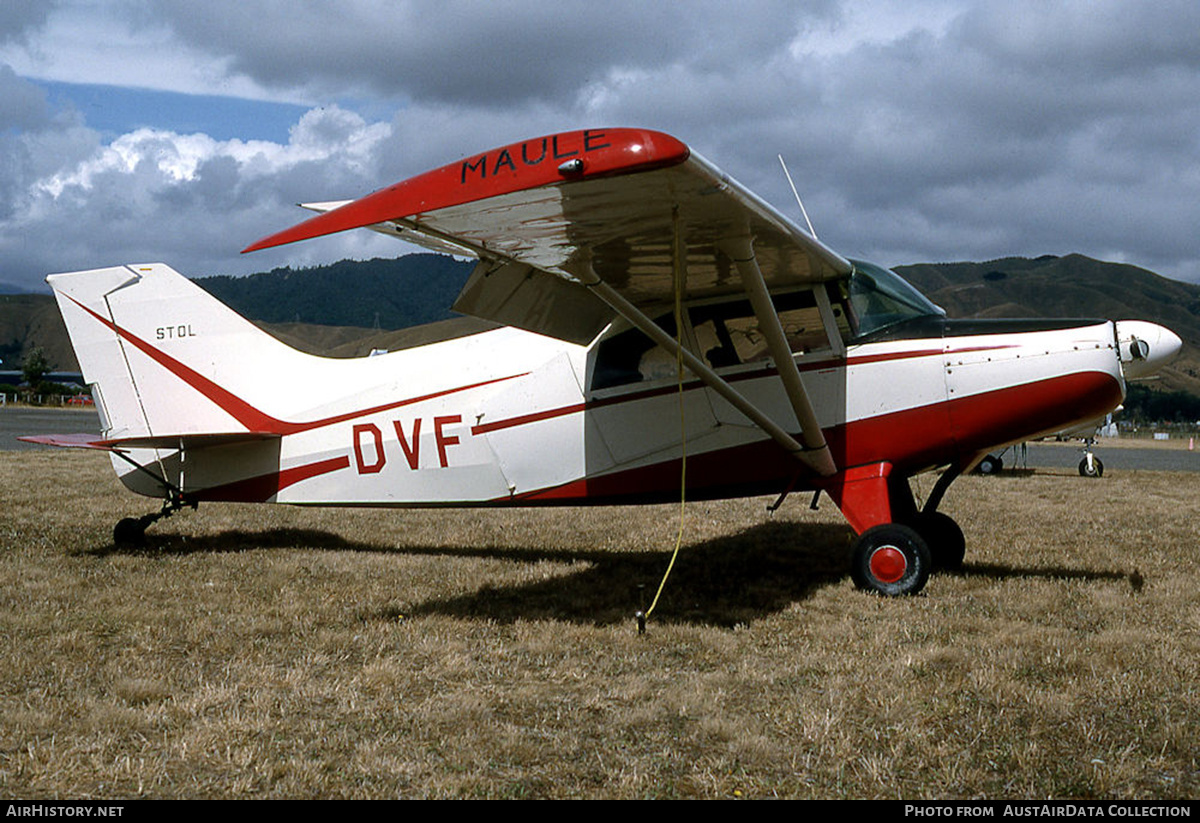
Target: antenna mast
796, 194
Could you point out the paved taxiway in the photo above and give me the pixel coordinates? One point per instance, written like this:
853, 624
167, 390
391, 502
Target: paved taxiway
16, 421
1172, 456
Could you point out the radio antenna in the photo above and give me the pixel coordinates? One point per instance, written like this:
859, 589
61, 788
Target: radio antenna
796, 194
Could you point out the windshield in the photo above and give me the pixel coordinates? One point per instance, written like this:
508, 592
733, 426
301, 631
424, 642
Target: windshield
880, 298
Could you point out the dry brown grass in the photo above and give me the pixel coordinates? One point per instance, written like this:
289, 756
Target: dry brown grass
274, 652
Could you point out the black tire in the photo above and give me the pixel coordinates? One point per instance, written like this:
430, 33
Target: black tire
1097, 469
990, 465
891, 560
129, 531
947, 545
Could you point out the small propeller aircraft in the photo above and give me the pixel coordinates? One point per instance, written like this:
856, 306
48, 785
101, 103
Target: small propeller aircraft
653, 310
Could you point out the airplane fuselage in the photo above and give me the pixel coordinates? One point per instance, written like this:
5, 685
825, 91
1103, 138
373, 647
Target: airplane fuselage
510, 417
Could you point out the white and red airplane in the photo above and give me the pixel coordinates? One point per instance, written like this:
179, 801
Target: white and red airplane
655, 311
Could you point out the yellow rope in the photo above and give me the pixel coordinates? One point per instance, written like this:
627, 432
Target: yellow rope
678, 276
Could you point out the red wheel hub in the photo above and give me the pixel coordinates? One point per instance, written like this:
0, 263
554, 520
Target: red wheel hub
888, 564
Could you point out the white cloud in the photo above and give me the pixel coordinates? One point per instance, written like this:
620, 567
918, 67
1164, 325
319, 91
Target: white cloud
322, 135
187, 198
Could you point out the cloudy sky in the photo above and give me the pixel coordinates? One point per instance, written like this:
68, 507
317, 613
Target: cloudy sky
919, 130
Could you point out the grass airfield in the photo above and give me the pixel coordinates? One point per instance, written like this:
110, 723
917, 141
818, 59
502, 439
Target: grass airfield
273, 652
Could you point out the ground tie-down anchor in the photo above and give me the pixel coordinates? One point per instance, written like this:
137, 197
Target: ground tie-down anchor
640, 615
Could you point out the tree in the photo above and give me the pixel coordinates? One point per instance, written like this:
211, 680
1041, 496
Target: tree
35, 366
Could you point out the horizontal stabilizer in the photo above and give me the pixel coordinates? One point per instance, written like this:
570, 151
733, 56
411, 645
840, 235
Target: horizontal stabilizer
189, 441
69, 441
179, 441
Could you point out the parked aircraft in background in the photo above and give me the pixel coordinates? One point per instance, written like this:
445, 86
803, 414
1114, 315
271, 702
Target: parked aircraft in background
656, 311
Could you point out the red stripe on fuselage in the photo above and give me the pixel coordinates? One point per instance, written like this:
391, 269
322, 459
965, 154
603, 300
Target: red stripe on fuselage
246, 414
911, 440
882, 357
521, 420
693, 383
262, 488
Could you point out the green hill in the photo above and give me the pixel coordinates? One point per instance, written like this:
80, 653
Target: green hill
29, 320
374, 294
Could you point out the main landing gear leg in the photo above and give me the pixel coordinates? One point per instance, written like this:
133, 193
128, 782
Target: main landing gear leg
898, 545
889, 557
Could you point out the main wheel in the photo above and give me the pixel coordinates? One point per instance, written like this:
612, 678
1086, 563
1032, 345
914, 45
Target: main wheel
891, 560
947, 545
1095, 470
990, 465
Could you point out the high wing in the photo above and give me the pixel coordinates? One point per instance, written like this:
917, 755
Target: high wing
589, 201
619, 214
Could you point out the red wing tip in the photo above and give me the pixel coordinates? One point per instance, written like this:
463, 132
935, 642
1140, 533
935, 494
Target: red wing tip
330, 222
270, 241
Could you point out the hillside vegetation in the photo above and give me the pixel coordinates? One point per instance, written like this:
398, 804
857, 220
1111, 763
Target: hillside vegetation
375, 294
28, 321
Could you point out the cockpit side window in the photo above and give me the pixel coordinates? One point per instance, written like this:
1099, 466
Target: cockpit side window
728, 333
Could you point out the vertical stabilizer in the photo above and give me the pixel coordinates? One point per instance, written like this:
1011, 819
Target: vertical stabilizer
166, 358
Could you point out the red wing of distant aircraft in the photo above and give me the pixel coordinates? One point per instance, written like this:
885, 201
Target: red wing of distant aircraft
610, 257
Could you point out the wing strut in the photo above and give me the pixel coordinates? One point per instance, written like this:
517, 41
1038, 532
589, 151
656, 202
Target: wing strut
741, 251
821, 462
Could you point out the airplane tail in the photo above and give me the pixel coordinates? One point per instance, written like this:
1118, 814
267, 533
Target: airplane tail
165, 359
191, 395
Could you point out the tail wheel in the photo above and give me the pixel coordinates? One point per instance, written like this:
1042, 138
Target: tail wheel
891, 560
1094, 470
945, 539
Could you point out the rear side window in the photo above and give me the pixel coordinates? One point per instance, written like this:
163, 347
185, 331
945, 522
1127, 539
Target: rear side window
632, 357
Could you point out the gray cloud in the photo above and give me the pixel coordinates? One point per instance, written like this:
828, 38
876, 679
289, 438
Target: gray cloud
23, 105
479, 54
184, 199
991, 130
19, 20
